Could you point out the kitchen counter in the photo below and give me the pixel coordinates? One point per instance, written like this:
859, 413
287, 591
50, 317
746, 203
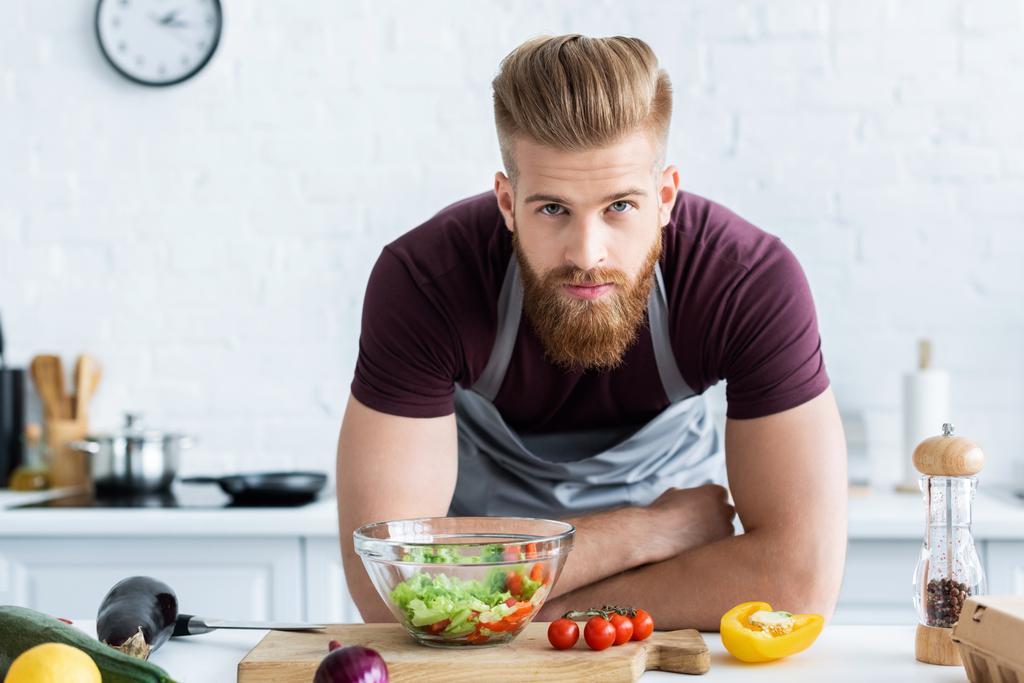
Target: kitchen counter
284, 563
319, 518
998, 515
841, 654
875, 515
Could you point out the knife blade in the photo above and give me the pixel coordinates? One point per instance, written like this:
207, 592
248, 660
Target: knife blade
190, 625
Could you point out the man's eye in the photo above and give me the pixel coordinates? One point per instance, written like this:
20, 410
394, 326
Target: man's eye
621, 206
551, 209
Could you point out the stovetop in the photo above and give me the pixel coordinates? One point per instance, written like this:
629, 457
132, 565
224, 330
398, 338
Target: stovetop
181, 496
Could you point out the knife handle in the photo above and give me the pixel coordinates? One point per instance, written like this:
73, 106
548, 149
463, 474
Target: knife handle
184, 627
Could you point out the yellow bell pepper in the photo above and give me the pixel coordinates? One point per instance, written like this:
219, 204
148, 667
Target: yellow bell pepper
753, 632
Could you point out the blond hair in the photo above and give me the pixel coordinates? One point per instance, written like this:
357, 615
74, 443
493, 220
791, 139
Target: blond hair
576, 93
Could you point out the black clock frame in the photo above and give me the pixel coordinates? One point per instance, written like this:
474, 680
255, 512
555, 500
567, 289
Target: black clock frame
160, 84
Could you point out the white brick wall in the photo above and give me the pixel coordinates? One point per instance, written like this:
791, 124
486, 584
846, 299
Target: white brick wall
210, 241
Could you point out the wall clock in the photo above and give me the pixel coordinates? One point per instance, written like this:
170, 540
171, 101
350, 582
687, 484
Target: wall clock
158, 42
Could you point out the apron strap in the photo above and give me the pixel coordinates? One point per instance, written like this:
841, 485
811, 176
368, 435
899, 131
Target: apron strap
510, 309
672, 380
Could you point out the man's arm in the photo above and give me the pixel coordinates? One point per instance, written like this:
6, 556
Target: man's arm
393, 467
613, 541
389, 467
787, 473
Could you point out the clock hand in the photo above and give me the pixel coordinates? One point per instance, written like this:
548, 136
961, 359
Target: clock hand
168, 19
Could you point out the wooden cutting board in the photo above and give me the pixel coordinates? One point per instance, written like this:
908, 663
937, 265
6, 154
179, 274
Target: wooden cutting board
292, 657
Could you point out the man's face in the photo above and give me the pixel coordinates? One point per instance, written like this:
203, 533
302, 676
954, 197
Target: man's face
587, 233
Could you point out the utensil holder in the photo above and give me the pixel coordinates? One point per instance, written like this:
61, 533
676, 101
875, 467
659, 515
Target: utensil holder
67, 467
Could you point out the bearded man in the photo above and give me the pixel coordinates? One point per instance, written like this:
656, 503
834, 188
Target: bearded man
543, 350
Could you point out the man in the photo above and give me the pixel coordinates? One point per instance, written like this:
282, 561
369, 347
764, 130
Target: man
542, 350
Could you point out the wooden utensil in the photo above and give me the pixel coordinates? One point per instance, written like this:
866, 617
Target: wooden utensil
87, 378
287, 657
48, 376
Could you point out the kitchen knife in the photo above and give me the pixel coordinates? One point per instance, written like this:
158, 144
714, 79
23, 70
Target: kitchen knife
189, 625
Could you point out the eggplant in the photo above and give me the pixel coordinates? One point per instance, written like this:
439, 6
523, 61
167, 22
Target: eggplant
137, 615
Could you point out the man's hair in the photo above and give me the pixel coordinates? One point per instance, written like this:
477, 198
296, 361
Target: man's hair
577, 93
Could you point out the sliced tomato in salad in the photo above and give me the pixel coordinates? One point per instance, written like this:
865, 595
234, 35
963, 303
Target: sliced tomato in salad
438, 626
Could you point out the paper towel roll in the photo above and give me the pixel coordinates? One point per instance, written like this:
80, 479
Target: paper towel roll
926, 405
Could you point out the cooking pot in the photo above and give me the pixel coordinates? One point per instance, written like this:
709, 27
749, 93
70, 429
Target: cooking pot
135, 460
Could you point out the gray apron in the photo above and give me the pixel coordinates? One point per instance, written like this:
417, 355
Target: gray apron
563, 474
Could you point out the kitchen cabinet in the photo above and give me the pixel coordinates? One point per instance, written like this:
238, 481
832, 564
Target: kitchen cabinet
1004, 563
246, 579
327, 597
878, 582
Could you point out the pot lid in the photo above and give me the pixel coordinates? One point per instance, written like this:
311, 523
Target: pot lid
134, 430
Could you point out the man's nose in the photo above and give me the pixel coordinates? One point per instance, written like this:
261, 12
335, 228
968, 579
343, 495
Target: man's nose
586, 248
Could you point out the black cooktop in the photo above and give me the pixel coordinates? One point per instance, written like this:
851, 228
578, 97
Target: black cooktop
182, 496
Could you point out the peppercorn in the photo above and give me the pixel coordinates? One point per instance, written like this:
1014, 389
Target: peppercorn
944, 599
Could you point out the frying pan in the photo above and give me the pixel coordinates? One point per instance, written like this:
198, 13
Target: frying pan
267, 488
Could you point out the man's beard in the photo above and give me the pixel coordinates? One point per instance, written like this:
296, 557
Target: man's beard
586, 334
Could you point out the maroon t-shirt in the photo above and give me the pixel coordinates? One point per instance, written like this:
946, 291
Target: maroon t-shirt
739, 306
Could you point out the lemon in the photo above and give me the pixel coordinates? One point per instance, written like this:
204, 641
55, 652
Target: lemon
53, 663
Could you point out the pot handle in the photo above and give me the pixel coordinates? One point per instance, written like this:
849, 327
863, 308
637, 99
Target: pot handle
90, 447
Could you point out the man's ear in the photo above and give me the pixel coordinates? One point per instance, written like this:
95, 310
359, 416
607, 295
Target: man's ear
668, 190
506, 198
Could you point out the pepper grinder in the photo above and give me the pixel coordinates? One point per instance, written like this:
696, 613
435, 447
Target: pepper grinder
948, 571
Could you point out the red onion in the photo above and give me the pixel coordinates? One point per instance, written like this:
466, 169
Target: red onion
352, 664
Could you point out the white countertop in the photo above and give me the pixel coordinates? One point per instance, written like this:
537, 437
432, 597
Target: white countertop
319, 518
876, 515
998, 515
842, 654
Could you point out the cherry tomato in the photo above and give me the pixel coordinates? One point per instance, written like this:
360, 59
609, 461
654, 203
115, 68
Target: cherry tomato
514, 583
643, 625
563, 633
623, 628
599, 633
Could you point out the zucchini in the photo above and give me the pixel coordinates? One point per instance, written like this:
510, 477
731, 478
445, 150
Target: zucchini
22, 628
137, 616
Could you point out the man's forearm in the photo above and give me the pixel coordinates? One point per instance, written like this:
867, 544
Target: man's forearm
694, 589
590, 559
610, 542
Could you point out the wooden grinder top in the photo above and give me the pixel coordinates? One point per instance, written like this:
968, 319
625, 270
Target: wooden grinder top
948, 456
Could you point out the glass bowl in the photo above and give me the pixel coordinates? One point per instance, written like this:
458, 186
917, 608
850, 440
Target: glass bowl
464, 581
